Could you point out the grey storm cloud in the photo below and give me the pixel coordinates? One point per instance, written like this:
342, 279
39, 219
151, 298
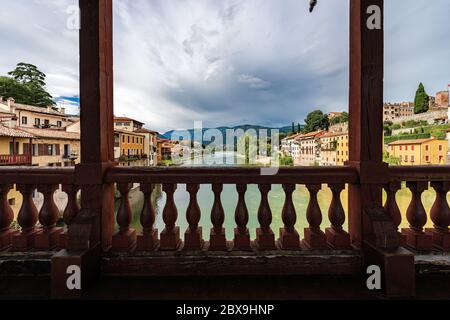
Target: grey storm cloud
226, 62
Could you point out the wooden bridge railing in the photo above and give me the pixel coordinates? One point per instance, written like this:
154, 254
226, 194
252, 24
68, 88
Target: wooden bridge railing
39, 230
418, 179
313, 178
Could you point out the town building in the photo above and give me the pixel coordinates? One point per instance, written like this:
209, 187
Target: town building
334, 149
14, 147
164, 147
150, 145
309, 148
392, 111
34, 117
289, 146
128, 144
442, 99
420, 151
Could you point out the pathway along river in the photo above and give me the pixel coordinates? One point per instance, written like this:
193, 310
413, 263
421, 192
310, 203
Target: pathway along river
276, 199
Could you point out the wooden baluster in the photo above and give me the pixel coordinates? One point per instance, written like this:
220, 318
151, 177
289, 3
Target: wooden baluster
265, 238
170, 237
314, 236
48, 236
27, 219
148, 239
440, 215
193, 239
391, 207
6, 218
337, 238
125, 239
217, 241
241, 233
70, 212
417, 218
289, 237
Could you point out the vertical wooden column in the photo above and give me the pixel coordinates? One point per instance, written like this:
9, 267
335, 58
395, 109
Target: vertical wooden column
366, 146
170, 236
241, 232
265, 238
217, 241
125, 239
193, 239
48, 236
93, 228
314, 237
366, 112
391, 207
336, 236
289, 237
27, 219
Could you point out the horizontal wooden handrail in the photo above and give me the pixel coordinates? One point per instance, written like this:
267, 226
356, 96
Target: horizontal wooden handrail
419, 173
25, 175
229, 175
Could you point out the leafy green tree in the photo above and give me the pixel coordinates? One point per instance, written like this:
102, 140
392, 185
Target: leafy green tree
421, 101
293, 128
343, 118
316, 120
391, 160
299, 128
26, 85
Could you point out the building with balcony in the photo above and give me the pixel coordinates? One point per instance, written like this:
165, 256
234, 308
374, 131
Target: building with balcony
420, 151
150, 145
14, 147
309, 151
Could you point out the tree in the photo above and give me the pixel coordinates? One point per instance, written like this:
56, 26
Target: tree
299, 128
27, 86
316, 120
343, 118
421, 101
390, 159
293, 128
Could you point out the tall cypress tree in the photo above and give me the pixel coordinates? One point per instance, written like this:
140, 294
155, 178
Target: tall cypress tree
421, 102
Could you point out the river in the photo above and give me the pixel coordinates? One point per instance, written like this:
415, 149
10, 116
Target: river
276, 199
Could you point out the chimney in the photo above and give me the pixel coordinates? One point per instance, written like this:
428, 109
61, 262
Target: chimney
62, 110
11, 101
49, 108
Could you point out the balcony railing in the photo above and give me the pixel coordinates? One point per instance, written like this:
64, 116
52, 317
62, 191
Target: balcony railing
11, 160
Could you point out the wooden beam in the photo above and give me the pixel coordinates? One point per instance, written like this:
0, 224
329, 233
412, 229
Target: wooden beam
366, 109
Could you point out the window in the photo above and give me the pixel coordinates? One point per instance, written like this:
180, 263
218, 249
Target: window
123, 139
24, 120
412, 159
37, 122
128, 139
427, 158
441, 147
59, 124
50, 150
401, 148
412, 148
427, 148
406, 148
406, 158
133, 139
47, 122
34, 150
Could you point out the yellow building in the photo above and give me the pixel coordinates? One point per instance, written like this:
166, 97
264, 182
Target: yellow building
14, 147
129, 144
419, 151
334, 149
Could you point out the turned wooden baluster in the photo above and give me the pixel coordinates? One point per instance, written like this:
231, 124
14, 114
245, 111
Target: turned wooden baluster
289, 237
440, 215
417, 218
170, 237
265, 238
314, 237
391, 206
148, 240
193, 236
73, 208
125, 239
6, 218
27, 219
217, 240
241, 233
337, 238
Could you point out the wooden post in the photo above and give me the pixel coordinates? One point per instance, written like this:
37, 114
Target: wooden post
94, 225
366, 143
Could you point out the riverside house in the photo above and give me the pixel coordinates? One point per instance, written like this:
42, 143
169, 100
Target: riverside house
419, 151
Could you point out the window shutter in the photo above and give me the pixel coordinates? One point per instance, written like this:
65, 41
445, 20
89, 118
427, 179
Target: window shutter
57, 149
26, 149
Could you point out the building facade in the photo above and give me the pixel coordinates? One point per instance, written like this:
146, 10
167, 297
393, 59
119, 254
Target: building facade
420, 151
309, 152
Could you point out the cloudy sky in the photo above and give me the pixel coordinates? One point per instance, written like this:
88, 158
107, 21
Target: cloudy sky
228, 62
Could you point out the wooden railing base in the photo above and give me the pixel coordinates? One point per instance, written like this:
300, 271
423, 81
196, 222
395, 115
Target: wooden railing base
338, 240
418, 240
397, 267
88, 262
315, 239
124, 241
441, 239
6, 238
23, 241
47, 240
147, 241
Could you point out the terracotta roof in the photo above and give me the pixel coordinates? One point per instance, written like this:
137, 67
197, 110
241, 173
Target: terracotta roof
14, 133
310, 135
25, 107
413, 141
52, 134
134, 133
334, 134
143, 130
126, 119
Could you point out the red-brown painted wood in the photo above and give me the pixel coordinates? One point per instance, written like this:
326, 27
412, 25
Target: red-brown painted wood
336, 236
170, 237
148, 239
193, 239
125, 239
265, 238
241, 232
391, 205
417, 218
314, 237
440, 215
48, 236
289, 237
6, 218
27, 219
217, 240
70, 212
